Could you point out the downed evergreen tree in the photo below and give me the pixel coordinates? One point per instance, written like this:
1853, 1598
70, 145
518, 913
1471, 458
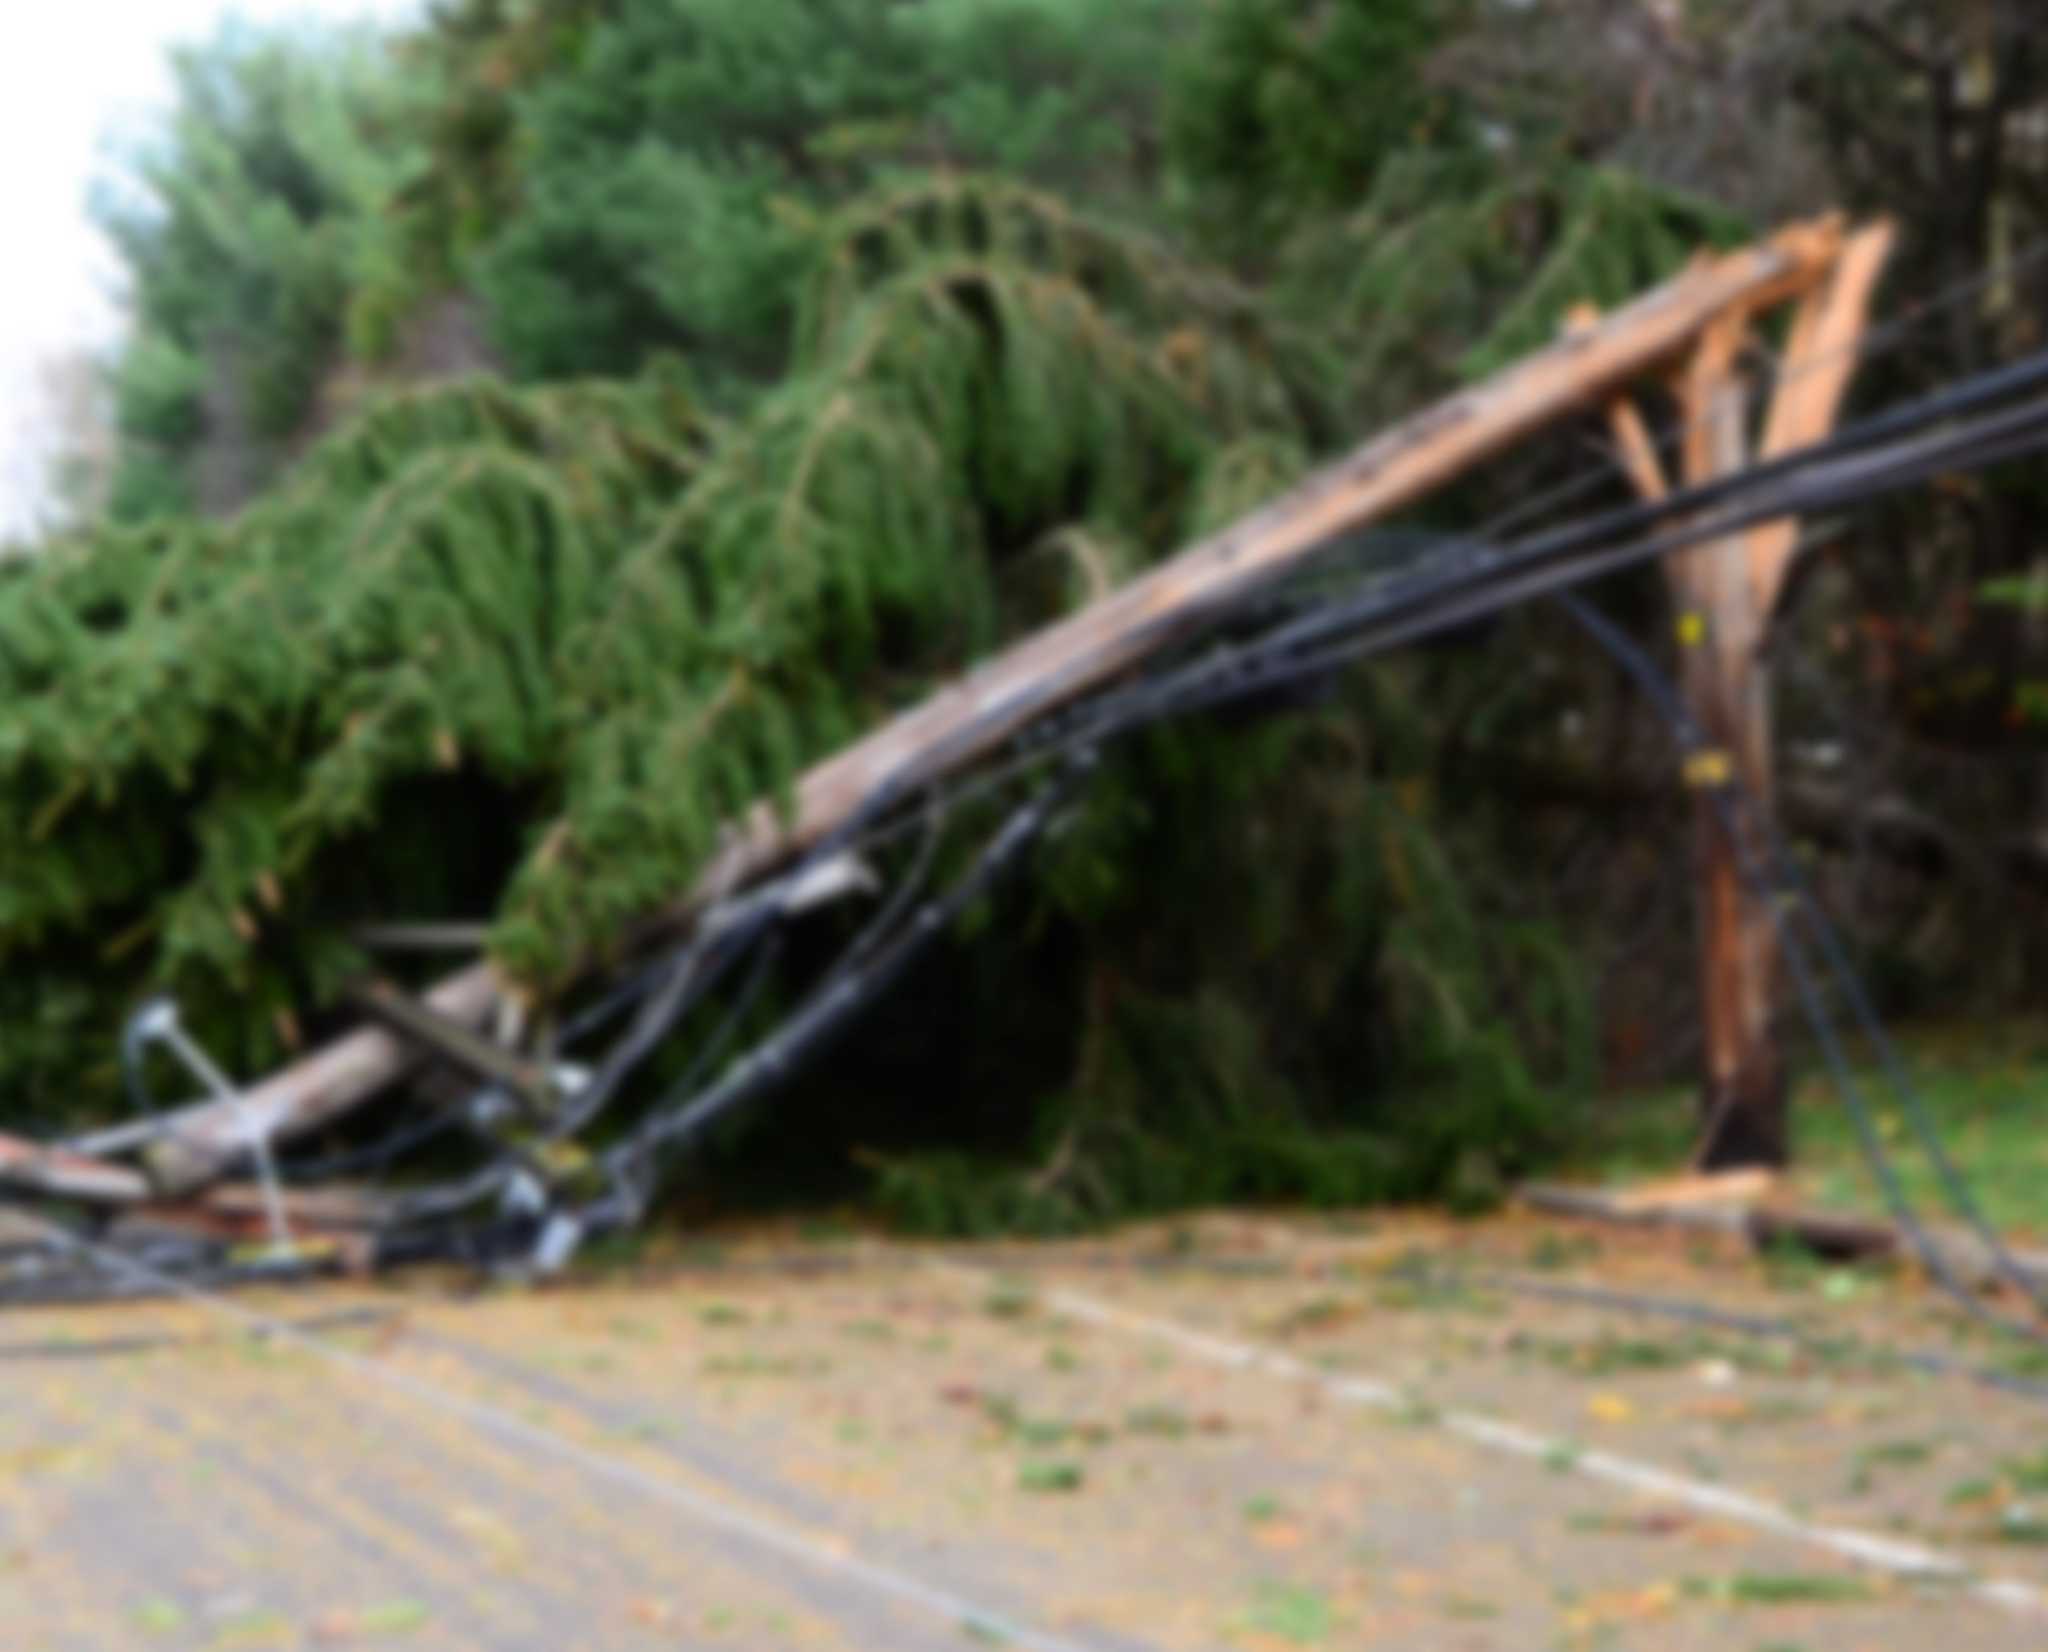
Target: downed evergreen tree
524, 651
514, 652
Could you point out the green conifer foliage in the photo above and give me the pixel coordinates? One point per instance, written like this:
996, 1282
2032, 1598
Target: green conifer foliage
1456, 264
246, 224
593, 600
524, 652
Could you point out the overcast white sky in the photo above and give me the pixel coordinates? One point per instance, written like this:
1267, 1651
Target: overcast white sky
72, 74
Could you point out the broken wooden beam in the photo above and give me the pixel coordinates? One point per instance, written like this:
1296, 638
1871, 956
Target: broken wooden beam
58, 1173
306, 1209
455, 1043
1765, 1220
966, 721
421, 937
1719, 1187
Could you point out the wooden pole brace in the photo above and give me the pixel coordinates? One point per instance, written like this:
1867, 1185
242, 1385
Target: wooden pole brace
454, 1042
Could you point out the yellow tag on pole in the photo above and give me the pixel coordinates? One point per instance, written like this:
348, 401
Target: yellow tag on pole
1709, 766
563, 1160
1692, 628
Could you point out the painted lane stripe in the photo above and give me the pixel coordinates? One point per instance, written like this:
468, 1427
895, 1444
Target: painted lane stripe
1902, 1559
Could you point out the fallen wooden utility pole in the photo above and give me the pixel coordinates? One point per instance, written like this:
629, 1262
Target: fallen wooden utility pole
964, 722
1724, 595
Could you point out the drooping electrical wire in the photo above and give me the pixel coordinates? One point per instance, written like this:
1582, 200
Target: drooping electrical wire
1425, 593
1398, 589
1771, 879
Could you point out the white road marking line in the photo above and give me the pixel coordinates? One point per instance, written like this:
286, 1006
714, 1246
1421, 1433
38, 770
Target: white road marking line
1910, 1560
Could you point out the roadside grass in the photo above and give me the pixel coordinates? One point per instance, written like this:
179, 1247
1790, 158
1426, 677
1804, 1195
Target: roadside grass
1986, 1093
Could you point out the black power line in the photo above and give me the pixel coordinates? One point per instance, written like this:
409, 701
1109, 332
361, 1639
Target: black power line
1361, 597
1773, 879
1449, 588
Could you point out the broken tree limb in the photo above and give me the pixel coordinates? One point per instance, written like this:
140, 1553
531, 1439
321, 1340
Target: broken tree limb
972, 717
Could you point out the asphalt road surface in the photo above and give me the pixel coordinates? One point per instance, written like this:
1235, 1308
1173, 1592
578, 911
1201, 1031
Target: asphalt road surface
794, 1445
